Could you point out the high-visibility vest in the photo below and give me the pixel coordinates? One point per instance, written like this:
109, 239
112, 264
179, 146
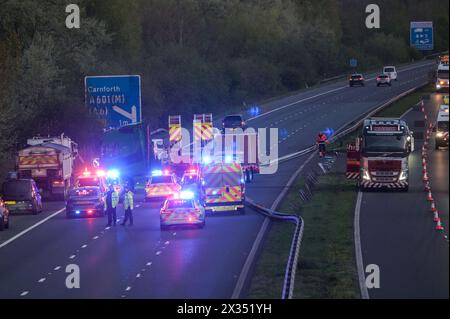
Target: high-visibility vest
114, 200
128, 200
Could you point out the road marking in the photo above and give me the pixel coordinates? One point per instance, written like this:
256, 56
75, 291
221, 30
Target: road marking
57, 268
128, 288
358, 250
138, 276
84, 246
41, 280
95, 237
256, 244
158, 253
32, 227
23, 294
72, 257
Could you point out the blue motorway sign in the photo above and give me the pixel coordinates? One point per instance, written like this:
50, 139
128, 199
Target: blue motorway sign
421, 35
115, 99
353, 63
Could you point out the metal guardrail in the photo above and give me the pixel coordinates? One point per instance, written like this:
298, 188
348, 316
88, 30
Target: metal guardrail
291, 265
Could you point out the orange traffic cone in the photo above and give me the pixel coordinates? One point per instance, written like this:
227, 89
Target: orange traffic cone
425, 176
436, 216
439, 225
430, 196
424, 161
427, 187
433, 207
424, 169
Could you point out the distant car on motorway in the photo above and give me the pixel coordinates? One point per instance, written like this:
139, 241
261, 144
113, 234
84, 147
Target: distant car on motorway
233, 122
182, 210
85, 202
356, 79
383, 79
391, 71
22, 196
4, 215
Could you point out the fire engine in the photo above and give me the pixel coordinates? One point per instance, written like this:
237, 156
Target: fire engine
379, 158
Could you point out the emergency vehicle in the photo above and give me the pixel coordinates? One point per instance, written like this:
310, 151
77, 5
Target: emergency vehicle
379, 159
441, 128
442, 77
90, 179
223, 187
161, 185
184, 209
192, 181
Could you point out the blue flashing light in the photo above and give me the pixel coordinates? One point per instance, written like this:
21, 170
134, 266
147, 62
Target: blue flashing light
113, 173
157, 172
77, 212
228, 159
328, 132
207, 159
187, 195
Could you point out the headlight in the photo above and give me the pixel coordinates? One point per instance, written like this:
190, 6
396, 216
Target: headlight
403, 175
439, 134
438, 86
365, 174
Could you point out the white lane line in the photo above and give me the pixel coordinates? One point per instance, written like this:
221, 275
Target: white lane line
138, 276
41, 280
23, 294
84, 246
32, 227
251, 256
358, 250
167, 243
95, 237
149, 263
57, 268
72, 257
158, 253
128, 288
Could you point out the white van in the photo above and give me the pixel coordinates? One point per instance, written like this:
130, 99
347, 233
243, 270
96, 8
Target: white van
441, 127
391, 71
442, 77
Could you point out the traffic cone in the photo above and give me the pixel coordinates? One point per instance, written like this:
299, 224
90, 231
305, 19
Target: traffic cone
433, 207
436, 216
439, 225
424, 169
424, 161
430, 196
427, 187
425, 176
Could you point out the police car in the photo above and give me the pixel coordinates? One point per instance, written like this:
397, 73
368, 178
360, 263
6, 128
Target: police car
90, 179
192, 181
85, 202
183, 209
161, 185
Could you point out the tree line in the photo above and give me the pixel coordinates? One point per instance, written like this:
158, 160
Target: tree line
192, 55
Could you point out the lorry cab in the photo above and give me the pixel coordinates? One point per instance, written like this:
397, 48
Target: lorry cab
224, 187
382, 153
441, 128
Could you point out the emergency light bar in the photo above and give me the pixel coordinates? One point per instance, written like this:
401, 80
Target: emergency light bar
186, 195
157, 172
113, 173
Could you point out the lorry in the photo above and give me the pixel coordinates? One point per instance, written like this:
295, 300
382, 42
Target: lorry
379, 158
49, 161
441, 127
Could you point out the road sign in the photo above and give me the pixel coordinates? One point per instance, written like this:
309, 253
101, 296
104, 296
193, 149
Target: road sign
116, 99
353, 63
421, 35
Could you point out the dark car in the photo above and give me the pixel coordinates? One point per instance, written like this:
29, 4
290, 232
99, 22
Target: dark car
4, 215
233, 122
85, 202
356, 79
22, 196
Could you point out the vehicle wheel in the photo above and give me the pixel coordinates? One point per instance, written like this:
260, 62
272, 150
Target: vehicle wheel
7, 224
35, 211
242, 211
2, 224
163, 227
247, 176
202, 225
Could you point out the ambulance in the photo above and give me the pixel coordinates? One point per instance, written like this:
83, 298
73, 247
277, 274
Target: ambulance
441, 128
223, 187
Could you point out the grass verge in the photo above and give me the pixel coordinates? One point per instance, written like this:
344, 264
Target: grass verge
327, 268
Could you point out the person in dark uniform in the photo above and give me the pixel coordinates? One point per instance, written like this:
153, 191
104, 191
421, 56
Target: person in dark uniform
112, 199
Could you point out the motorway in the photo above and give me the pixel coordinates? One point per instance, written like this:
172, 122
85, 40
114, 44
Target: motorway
397, 229
143, 262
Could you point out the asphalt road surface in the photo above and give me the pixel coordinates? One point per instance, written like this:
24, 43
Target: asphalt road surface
397, 229
143, 262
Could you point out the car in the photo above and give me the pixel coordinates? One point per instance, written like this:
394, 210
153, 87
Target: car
22, 196
233, 122
383, 79
182, 210
4, 215
86, 201
192, 181
391, 71
356, 79
161, 185
87, 178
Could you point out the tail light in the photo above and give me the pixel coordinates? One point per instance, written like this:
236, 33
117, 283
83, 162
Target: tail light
90, 211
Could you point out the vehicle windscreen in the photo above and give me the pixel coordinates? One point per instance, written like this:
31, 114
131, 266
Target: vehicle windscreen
84, 182
232, 121
190, 179
174, 204
442, 126
384, 143
383, 76
356, 76
442, 74
17, 190
161, 179
389, 70
83, 192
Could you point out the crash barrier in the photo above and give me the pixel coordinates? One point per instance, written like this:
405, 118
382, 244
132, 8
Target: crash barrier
289, 277
425, 178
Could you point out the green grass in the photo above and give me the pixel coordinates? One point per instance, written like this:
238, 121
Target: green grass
327, 268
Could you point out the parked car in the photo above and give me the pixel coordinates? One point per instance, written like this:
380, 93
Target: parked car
22, 196
4, 215
383, 79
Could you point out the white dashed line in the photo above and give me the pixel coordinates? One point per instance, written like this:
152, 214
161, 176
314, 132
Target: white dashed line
138, 276
128, 288
149, 263
57, 268
84, 246
23, 294
158, 253
95, 237
167, 243
72, 257
41, 280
